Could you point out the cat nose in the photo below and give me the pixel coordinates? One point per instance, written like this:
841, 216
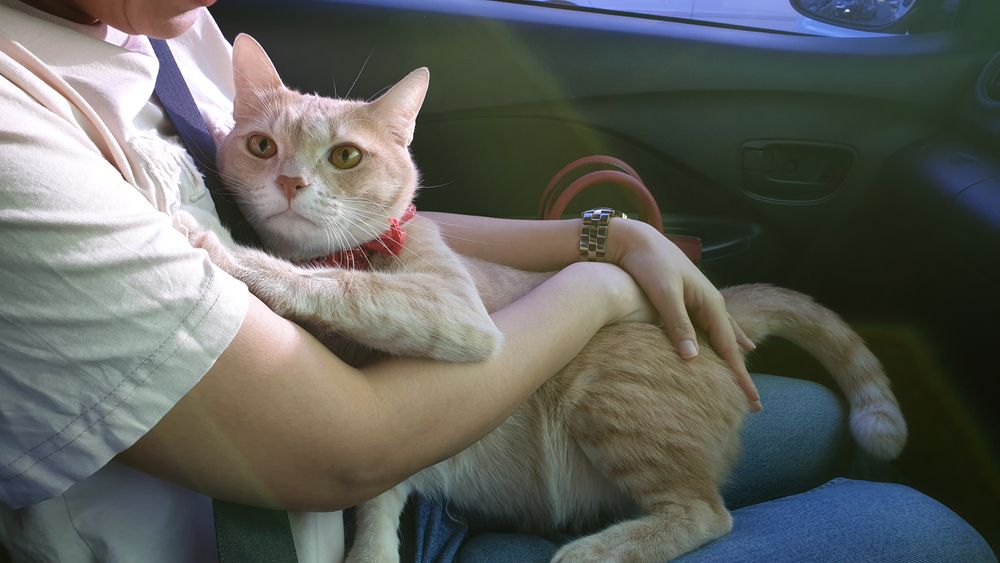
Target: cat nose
290, 185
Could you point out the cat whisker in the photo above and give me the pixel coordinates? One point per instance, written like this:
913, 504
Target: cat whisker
253, 216
228, 195
472, 240
260, 122
357, 120
331, 242
417, 226
349, 118
339, 241
365, 64
258, 104
266, 107
382, 214
369, 229
358, 223
436, 186
378, 93
354, 207
231, 180
364, 200
421, 258
334, 236
363, 226
333, 227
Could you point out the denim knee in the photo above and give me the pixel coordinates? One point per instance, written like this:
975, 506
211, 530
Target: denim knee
840, 521
797, 442
846, 520
906, 525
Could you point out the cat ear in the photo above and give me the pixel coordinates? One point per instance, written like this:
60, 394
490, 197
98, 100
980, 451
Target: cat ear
253, 73
399, 106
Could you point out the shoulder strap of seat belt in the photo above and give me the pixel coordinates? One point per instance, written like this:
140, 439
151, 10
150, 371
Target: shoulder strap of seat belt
244, 534
177, 102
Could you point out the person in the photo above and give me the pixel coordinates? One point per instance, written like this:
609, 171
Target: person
138, 380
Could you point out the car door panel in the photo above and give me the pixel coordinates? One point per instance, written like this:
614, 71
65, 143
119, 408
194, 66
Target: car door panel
589, 83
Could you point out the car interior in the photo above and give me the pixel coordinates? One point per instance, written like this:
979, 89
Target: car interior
862, 170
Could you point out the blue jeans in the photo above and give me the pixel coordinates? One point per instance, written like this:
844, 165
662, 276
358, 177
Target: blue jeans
782, 510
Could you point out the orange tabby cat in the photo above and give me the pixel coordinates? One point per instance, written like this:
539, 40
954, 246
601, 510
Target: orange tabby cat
627, 428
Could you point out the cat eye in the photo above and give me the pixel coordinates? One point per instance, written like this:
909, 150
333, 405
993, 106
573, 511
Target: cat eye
345, 156
262, 146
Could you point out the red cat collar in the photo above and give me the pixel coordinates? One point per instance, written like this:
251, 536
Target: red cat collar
389, 243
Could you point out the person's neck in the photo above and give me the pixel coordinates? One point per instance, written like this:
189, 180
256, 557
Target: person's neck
63, 9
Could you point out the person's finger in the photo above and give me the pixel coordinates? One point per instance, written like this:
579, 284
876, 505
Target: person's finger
668, 295
729, 352
670, 303
741, 338
714, 318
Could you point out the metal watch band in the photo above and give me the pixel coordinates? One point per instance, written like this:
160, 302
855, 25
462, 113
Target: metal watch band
594, 232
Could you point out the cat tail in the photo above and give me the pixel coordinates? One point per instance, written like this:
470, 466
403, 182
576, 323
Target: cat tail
875, 419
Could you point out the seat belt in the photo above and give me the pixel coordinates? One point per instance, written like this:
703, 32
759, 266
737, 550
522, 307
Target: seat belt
177, 102
248, 534
243, 534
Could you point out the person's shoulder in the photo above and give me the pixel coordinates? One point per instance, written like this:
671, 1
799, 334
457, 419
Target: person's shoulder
38, 32
16, 19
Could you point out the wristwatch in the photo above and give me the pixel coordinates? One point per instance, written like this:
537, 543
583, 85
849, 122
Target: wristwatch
594, 232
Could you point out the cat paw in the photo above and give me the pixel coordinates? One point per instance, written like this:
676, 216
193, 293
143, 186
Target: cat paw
483, 342
199, 237
190, 226
471, 343
589, 549
187, 224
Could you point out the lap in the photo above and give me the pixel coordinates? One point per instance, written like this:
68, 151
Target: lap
798, 415
797, 442
843, 520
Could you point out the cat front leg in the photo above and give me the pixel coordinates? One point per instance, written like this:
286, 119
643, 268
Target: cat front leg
200, 237
407, 313
412, 314
376, 537
266, 276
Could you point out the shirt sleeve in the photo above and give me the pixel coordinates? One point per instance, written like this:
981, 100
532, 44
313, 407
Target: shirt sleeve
107, 315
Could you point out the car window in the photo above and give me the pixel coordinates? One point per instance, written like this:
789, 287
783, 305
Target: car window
830, 18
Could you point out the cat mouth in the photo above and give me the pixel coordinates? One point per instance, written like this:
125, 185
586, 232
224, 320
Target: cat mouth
287, 211
289, 214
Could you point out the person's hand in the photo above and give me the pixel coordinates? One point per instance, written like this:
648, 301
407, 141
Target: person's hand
680, 293
628, 303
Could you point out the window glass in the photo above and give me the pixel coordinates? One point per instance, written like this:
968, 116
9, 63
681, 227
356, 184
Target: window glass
777, 15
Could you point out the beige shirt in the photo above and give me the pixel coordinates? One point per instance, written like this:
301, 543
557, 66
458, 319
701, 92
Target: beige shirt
107, 315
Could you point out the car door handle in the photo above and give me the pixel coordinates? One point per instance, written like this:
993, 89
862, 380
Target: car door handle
795, 171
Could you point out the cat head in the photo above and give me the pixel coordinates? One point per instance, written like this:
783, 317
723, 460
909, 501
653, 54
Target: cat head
312, 174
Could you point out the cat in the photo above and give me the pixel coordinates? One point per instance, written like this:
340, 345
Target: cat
627, 429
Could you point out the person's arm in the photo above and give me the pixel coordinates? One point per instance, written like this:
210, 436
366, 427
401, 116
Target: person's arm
554, 244
279, 421
677, 288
